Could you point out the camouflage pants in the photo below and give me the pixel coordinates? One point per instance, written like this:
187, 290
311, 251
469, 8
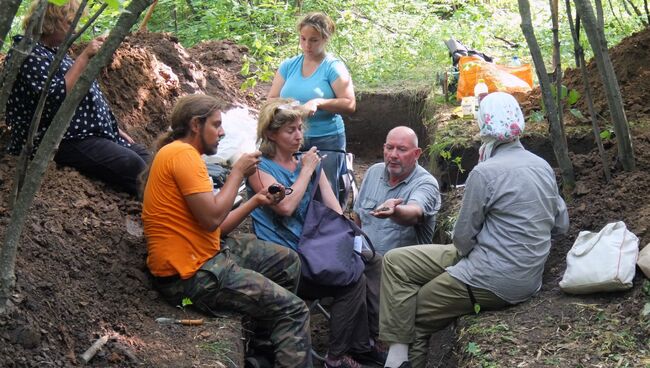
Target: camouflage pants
258, 279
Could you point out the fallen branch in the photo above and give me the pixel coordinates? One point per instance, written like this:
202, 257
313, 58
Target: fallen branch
94, 348
513, 45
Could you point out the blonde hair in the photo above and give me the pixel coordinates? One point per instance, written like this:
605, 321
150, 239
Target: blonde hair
273, 116
56, 17
321, 22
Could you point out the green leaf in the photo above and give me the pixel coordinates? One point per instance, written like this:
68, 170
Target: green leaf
245, 68
477, 308
473, 348
114, 4
58, 2
536, 116
605, 134
185, 302
577, 113
573, 97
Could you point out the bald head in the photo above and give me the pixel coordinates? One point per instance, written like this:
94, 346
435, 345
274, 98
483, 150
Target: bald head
403, 133
401, 153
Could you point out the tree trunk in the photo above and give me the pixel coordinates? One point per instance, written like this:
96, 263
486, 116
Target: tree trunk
580, 62
24, 48
600, 17
10, 7
612, 91
558, 139
51, 141
557, 62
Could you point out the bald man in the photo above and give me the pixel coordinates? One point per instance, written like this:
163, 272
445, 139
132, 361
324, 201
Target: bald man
398, 200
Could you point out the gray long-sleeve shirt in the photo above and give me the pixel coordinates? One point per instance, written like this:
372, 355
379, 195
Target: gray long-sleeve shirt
510, 208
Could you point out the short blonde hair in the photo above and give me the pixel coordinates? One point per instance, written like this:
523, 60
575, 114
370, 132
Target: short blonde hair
273, 116
55, 16
321, 22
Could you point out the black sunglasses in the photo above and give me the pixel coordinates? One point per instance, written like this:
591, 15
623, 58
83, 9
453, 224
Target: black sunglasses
277, 188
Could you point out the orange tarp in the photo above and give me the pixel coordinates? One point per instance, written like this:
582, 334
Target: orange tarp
516, 80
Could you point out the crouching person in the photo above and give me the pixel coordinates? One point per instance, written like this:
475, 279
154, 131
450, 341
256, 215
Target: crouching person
188, 252
501, 241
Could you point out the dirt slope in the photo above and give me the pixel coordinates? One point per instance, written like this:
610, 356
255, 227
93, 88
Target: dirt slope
81, 270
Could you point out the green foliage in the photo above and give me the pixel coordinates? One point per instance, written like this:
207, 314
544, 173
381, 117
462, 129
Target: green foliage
569, 97
186, 302
114, 4
383, 42
473, 348
536, 116
221, 349
607, 134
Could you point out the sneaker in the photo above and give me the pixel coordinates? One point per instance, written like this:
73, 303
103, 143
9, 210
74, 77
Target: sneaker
345, 361
376, 355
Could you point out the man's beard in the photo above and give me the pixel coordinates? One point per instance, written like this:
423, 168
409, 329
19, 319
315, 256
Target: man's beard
395, 170
208, 149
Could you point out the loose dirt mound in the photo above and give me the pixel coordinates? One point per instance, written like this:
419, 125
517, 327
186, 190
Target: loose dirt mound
150, 70
629, 59
81, 270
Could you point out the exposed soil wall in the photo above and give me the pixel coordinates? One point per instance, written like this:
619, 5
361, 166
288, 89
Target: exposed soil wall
377, 113
448, 173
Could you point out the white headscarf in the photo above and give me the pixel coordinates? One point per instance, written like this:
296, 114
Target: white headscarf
500, 120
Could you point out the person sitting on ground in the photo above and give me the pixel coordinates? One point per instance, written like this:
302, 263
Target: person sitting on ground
186, 227
354, 310
93, 143
501, 240
398, 200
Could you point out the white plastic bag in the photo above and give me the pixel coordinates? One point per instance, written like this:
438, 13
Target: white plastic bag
644, 260
240, 125
603, 261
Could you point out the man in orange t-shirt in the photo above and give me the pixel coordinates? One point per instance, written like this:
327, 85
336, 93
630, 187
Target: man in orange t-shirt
185, 225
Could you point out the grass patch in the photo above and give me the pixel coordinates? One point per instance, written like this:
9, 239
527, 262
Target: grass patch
221, 349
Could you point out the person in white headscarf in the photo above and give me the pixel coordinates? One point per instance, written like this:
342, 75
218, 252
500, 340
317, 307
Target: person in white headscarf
501, 240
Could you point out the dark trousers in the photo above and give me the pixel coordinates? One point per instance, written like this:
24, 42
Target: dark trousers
354, 311
105, 160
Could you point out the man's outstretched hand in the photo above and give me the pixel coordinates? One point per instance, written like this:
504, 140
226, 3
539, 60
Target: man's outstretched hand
386, 209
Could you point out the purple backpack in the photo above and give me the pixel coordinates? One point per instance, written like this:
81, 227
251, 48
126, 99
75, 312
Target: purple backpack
326, 246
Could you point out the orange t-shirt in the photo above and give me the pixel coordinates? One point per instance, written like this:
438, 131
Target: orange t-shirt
176, 244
